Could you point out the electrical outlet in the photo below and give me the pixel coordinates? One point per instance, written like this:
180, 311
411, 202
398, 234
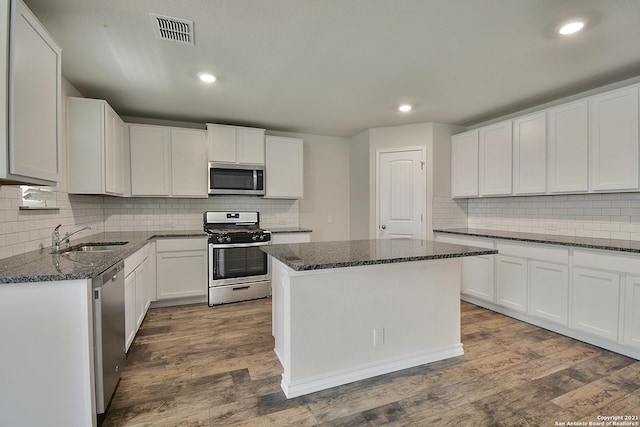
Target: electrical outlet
330, 219
378, 336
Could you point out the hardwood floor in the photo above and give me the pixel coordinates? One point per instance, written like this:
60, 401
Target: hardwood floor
200, 366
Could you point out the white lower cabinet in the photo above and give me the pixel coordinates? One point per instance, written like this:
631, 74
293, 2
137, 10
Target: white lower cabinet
511, 282
181, 267
595, 302
632, 312
137, 282
129, 309
549, 291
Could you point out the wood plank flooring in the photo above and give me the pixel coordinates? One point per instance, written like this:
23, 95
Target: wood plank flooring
200, 366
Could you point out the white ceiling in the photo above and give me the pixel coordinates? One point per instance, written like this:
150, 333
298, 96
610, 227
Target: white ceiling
337, 67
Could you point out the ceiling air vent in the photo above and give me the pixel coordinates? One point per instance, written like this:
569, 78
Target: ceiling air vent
173, 29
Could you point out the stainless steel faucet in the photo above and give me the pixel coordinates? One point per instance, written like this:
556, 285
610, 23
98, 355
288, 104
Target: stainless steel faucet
55, 237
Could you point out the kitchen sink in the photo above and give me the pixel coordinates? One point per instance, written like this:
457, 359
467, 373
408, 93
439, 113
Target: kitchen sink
95, 247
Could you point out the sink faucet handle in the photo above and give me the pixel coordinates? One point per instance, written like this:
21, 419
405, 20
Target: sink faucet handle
58, 227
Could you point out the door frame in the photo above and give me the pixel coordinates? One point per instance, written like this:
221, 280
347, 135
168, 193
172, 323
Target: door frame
423, 190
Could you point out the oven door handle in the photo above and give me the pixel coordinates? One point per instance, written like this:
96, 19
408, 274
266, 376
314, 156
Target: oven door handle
238, 245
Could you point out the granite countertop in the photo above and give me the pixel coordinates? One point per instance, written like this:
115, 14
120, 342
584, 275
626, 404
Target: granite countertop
581, 242
277, 230
351, 253
42, 265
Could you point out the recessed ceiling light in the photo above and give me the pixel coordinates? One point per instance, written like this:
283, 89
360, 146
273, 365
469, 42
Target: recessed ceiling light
404, 108
207, 77
571, 27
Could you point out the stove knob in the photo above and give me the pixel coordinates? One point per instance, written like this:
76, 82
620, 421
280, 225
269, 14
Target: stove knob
254, 237
227, 239
262, 236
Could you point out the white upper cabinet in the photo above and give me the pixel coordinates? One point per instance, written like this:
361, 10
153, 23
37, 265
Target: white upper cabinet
568, 147
530, 154
496, 159
188, 163
168, 161
30, 120
95, 148
284, 170
150, 160
464, 164
613, 140
235, 144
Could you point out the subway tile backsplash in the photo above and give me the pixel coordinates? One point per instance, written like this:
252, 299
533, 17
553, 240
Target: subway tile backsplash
23, 231
609, 216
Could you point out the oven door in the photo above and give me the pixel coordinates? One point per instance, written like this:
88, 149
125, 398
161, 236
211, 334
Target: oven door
237, 263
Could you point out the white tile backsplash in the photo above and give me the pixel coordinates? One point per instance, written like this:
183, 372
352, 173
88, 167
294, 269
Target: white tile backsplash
23, 231
609, 216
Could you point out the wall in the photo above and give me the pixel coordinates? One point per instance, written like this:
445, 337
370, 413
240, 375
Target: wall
326, 186
359, 186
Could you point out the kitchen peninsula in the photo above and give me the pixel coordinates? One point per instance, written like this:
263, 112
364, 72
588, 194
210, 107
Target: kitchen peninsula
349, 310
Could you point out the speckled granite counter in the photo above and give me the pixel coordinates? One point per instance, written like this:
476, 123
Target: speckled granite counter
42, 265
282, 230
350, 253
581, 242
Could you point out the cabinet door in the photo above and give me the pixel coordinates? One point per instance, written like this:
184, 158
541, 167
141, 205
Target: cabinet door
511, 283
632, 312
477, 277
34, 99
188, 163
496, 160
530, 154
613, 140
284, 168
250, 143
595, 302
549, 291
150, 160
113, 146
129, 309
464, 164
568, 147
141, 292
181, 274
221, 143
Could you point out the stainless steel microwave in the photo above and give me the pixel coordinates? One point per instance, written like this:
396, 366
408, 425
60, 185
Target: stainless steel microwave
236, 179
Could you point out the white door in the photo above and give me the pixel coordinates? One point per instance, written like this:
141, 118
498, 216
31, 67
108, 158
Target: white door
401, 194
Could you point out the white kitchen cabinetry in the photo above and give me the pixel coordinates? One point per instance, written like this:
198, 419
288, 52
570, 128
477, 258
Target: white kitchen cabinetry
478, 272
595, 302
549, 291
137, 283
167, 161
464, 164
235, 144
511, 282
30, 90
530, 154
568, 147
150, 160
284, 170
632, 311
496, 160
613, 138
95, 148
188, 163
181, 267
278, 238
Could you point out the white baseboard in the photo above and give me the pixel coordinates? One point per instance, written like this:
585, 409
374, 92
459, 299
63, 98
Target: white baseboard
317, 383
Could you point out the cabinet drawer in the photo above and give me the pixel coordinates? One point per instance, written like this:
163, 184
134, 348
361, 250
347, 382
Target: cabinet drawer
133, 261
190, 244
542, 253
617, 263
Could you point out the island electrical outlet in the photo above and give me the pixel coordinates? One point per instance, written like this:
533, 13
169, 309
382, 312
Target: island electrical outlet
378, 336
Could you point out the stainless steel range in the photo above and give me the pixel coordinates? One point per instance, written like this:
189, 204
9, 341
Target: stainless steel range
238, 269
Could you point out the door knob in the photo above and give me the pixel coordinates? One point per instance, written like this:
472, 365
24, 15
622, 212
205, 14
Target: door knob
384, 227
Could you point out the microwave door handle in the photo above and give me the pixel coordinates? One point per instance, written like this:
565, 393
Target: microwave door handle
255, 179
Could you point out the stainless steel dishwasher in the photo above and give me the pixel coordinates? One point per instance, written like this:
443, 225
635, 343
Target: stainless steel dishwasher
108, 333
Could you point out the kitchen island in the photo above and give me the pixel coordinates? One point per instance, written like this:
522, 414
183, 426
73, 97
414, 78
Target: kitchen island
349, 310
